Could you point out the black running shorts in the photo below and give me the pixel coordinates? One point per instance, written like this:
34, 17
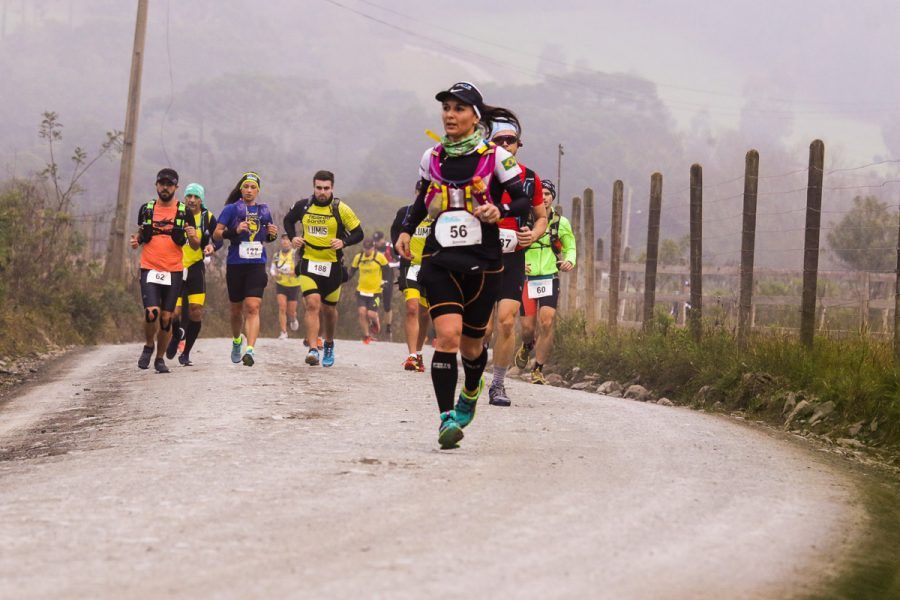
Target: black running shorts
513, 279
529, 307
245, 281
161, 296
471, 295
369, 302
291, 291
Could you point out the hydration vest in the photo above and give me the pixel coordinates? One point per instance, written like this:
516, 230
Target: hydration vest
177, 232
335, 204
265, 216
456, 195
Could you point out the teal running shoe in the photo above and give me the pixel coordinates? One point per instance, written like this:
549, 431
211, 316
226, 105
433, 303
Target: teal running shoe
247, 359
312, 357
450, 433
328, 355
237, 350
465, 405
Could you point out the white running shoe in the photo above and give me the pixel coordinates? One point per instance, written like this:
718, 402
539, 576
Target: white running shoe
283, 335
295, 325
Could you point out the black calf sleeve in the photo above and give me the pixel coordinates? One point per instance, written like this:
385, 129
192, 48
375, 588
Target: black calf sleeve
474, 369
191, 332
444, 373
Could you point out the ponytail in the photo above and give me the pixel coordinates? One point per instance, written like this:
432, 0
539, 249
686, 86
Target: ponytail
235, 194
493, 114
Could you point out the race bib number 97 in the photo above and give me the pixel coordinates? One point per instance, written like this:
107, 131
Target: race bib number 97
457, 228
508, 240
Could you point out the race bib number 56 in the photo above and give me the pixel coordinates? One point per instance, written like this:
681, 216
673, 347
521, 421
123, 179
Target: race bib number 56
457, 228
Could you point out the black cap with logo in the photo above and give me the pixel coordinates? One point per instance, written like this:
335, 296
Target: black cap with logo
167, 175
464, 92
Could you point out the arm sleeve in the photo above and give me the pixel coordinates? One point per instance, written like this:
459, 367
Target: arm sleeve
354, 236
567, 239
212, 227
290, 220
398, 224
417, 212
520, 200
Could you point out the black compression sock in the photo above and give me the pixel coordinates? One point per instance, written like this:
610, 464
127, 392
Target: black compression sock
538, 366
191, 332
444, 373
474, 369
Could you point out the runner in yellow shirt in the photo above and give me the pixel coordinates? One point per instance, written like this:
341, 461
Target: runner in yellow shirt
287, 285
373, 270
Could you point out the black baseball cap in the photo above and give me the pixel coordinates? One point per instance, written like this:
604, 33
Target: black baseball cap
378, 235
167, 174
464, 92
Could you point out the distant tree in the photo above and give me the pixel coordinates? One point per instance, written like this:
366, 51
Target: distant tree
65, 188
866, 238
673, 252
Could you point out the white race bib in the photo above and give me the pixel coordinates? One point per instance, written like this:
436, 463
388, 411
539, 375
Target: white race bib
250, 250
366, 294
412, 274
540, 288
159, 277
508, 240
457, 228
318, 267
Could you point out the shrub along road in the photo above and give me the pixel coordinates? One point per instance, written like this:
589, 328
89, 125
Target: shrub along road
289, 480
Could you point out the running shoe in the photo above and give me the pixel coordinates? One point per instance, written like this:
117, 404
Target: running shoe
522, 355
465, 405
247, 359
328, 355
537, 376
367, 339
237, 350
283, 335
320, 345
450, 432
420, 363
146, 355
295, 324
374, 326
411, 364
181, 345
498, 397
312, 357
160, 365
172, 348
185, 360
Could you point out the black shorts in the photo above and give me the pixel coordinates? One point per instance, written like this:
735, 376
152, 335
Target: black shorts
530, 307
513, 280
327, 287
387, 291
245, 281
291, 291
194, 287
163, 297
471, 295
370, 302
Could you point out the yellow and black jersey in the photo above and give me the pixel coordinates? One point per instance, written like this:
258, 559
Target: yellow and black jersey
370, 265
320, 227
417, 241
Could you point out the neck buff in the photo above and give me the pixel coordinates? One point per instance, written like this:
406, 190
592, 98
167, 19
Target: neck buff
463, 146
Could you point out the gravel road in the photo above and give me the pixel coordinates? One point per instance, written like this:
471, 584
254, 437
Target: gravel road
285, 480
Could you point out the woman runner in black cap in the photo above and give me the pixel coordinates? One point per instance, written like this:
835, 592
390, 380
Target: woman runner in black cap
462, 181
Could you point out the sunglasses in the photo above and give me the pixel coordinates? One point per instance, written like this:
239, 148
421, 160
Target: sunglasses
506, 140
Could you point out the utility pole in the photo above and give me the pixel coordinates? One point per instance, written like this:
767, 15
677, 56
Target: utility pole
560, 153
626, 242
115, 258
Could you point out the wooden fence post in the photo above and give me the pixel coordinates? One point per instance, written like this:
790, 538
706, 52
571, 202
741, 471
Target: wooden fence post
811, 242
748, 246
590, 275
696, 313
897, 300
600, 256
615, 252
572, 300
652, 249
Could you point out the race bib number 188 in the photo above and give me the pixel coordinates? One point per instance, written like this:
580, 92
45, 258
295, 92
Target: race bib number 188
457, 228
320, 268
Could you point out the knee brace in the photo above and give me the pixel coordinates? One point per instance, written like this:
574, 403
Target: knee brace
165, 324
151, 314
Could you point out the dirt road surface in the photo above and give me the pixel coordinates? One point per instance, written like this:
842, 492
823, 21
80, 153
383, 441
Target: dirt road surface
283, 480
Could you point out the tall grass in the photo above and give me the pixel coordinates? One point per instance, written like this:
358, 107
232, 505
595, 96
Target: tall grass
857, 373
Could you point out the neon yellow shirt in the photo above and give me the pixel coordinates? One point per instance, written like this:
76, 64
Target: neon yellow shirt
369, 265
417, 242
320, 228
283, 268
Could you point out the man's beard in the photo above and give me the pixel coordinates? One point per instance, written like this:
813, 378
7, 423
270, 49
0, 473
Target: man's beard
325, 200
166, 195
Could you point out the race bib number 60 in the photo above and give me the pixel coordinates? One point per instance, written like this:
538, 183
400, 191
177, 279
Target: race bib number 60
457, 228
540, 288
